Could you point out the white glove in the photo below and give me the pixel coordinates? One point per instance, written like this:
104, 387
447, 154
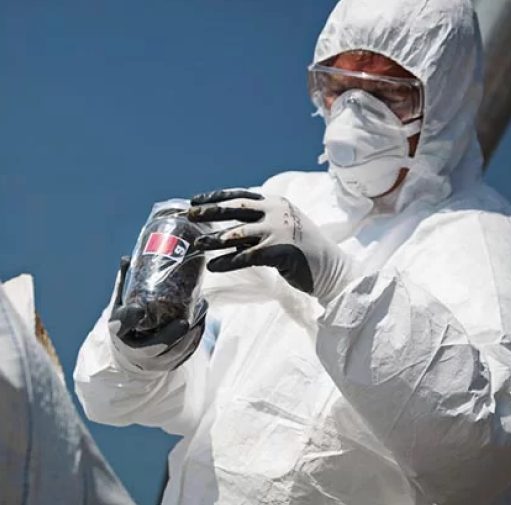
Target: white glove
277, 234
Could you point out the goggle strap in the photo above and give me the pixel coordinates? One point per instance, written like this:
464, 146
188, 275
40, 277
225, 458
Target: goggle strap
413, 128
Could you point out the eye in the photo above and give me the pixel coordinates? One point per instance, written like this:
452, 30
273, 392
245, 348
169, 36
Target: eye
392, 92
333, 88
393, 98
338, 89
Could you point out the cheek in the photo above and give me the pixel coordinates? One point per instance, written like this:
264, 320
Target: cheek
329, 101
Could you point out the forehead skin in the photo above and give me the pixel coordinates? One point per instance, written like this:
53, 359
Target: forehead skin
367, 61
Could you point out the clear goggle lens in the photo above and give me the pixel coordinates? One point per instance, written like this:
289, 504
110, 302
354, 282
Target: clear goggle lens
404, 96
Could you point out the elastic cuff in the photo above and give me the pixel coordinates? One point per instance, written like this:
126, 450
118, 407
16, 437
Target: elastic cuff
124, 363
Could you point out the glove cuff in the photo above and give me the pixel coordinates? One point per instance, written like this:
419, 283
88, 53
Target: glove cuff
334, 278
159, 357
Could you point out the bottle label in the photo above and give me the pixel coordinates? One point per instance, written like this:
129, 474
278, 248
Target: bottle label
165, 244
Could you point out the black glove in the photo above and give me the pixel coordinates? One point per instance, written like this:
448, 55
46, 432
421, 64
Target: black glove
277, 234
163, 349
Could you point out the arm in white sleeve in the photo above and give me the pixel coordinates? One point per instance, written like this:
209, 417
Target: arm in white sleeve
441, 405
114, 392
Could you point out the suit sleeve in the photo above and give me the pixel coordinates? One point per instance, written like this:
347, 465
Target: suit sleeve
440, 404
112, 391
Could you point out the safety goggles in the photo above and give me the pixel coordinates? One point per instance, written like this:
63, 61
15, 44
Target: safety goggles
404, 96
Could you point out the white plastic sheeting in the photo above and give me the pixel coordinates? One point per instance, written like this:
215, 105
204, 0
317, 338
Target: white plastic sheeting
46, 454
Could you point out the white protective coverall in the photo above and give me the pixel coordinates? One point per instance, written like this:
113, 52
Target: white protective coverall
47, 456
398, 393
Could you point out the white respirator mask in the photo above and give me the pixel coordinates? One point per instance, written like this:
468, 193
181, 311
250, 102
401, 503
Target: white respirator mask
366, 144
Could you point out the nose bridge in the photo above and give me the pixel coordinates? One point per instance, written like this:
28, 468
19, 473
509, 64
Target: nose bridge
353, 100
358, 101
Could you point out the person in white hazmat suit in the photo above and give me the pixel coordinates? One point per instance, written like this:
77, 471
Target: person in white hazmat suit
47, 456
372, 365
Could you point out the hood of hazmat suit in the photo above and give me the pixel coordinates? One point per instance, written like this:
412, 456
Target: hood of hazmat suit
398, 391
439, 43
46, 454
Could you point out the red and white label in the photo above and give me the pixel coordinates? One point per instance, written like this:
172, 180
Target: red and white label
165, 244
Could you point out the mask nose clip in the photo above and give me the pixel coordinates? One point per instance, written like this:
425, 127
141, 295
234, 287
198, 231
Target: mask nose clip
352, 100
347, 99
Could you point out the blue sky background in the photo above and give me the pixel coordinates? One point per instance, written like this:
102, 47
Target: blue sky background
109, 106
